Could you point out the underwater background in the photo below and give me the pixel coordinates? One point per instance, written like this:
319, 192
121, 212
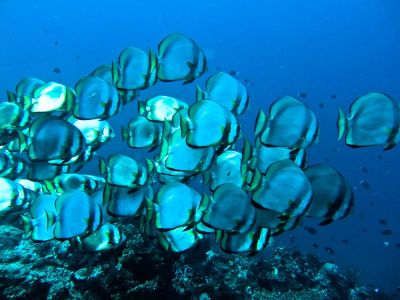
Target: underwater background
308, 49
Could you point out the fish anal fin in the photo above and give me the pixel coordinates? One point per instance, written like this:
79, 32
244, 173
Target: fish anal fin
326, 222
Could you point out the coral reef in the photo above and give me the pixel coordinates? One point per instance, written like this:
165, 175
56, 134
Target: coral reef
141, 270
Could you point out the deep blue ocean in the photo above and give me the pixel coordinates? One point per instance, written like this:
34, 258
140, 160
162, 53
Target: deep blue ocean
288, 47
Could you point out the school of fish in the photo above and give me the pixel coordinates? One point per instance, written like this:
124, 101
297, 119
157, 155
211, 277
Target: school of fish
201, 177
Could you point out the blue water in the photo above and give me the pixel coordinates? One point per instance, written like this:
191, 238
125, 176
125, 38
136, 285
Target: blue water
285, 47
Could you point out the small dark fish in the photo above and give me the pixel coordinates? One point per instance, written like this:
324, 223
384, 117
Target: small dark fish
397, 245
379, 156
364, 230
345, 241
291, 238
327, 159
364, 169
57, 70
337, 149
233, 72
310, 230
55, 43
361, 216
329, 250
77, 57
302, 95
382, 222
370, 203
321, 104
315, 245
365, 185
246, 80
386, 232
333, 96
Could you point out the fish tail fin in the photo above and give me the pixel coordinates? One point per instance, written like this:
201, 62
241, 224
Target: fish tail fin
218, 235
317, 137
141, 107
12, 97
203, 206
392, 140
342, 124
184, 126
107, 194
164, 139
163, 149
150, 165
102, 166
49, 187
70, 98
191, 66
389, 146
200, 94
163, 242
207, 177
166, 130
74, 242
255, 181
26, 222
247, 154
22, 141
192, 74
150, 210
153, 59
51, 219
27, 102
125, 134
261, 122
189, 79
114, 72
247, 151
